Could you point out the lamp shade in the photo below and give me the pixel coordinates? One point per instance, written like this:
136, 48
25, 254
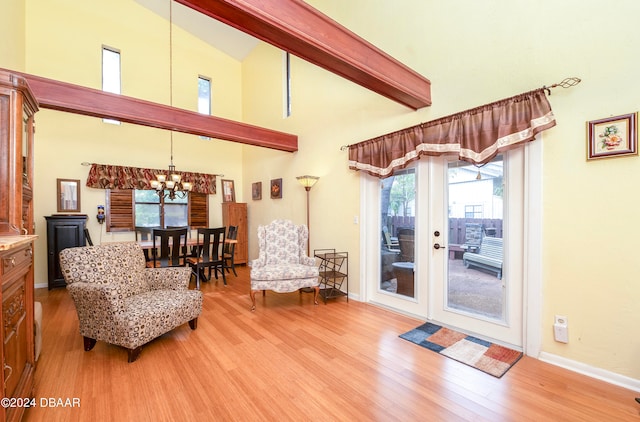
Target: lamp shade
307, 181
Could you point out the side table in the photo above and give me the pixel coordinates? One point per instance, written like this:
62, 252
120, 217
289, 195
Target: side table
334, 272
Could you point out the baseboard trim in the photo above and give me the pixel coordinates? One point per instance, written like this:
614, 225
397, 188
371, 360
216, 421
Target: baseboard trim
591, 371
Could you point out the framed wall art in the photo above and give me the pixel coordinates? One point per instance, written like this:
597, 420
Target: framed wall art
68, 195
612, 137
256, 191
228, 191
276, 188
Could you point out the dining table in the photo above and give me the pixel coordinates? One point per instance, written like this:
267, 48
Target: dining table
148, 244
192, 244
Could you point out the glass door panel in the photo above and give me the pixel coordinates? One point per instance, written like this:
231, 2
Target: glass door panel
397, 256
443, 245
475, 220
476, 279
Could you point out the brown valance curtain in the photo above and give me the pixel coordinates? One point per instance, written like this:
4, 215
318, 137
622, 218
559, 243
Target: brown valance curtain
105, 176
476, 135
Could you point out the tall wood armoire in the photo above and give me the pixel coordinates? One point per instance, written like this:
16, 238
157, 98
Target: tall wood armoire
17, 350
235, 214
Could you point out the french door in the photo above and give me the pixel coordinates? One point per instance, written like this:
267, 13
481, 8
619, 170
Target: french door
451, 251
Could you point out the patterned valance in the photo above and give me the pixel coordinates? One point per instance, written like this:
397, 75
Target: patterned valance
476, 135
105, 176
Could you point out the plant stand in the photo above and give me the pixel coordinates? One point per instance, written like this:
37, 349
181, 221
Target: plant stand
334, 270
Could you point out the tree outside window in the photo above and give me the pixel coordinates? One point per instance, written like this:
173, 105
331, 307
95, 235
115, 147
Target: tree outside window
151, 210
403, 194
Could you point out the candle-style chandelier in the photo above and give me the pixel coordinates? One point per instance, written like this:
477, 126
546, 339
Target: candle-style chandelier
173, 186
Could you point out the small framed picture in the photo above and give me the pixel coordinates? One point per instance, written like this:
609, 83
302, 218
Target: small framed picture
256, 191
68, 195
228, 191
612, 137
276, 188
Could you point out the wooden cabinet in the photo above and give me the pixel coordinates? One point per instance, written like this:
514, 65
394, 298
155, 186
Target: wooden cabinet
16, 267
17, 109
235, 214
63, 231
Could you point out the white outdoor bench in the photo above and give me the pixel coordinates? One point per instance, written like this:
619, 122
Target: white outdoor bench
488, 257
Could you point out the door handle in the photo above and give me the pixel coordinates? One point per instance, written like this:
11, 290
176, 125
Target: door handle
437, 246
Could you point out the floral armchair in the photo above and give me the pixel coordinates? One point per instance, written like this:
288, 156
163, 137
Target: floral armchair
283, 265
120, 301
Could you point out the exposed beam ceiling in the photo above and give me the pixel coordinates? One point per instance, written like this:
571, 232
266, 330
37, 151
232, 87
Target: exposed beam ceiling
291, 25
77, 99
296, 27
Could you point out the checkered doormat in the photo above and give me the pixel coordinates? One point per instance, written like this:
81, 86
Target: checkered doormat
480, 354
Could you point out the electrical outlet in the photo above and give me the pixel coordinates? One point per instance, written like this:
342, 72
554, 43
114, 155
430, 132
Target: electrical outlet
561, 329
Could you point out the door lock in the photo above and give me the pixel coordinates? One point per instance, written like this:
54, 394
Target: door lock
437, 246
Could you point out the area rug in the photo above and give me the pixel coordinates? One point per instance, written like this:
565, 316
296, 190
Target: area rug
480, 354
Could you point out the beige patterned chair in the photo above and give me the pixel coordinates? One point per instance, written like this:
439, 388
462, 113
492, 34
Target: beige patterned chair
120, 301
283, 265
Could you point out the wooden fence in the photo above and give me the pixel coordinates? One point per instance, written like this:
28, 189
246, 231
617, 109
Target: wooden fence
457, 227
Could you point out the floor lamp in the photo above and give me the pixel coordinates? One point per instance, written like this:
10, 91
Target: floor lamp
308, 182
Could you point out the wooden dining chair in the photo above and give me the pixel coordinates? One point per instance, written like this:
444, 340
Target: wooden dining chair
87, 237
143, 234
169, 248
210, 247
230, 250
193, 248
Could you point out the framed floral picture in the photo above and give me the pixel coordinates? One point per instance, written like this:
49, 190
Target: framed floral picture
612, 137
276, 188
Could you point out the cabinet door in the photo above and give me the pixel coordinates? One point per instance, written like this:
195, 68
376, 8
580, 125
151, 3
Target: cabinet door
63, 235
235, 214
241, 222
6, 167
18, 360
17, 106
27, 173
15, 334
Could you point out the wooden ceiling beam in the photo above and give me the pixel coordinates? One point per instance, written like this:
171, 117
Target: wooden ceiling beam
296, 27
77, 99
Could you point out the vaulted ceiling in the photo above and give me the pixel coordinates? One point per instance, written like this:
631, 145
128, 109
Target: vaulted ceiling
222, 37
291, 25
298, 28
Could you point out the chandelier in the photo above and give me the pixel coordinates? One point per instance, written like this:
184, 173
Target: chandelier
173, 186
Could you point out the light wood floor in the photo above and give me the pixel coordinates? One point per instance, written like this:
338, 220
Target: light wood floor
293, 361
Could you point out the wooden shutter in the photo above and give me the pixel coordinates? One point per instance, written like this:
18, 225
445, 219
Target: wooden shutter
119, 210
198, 210
120, 215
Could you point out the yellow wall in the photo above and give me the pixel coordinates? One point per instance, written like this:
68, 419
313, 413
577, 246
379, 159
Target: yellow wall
67, 49
12, 36
475, 53
322, 129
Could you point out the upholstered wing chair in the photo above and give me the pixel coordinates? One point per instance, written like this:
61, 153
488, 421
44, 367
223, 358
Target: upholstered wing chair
120, 301
283, 265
